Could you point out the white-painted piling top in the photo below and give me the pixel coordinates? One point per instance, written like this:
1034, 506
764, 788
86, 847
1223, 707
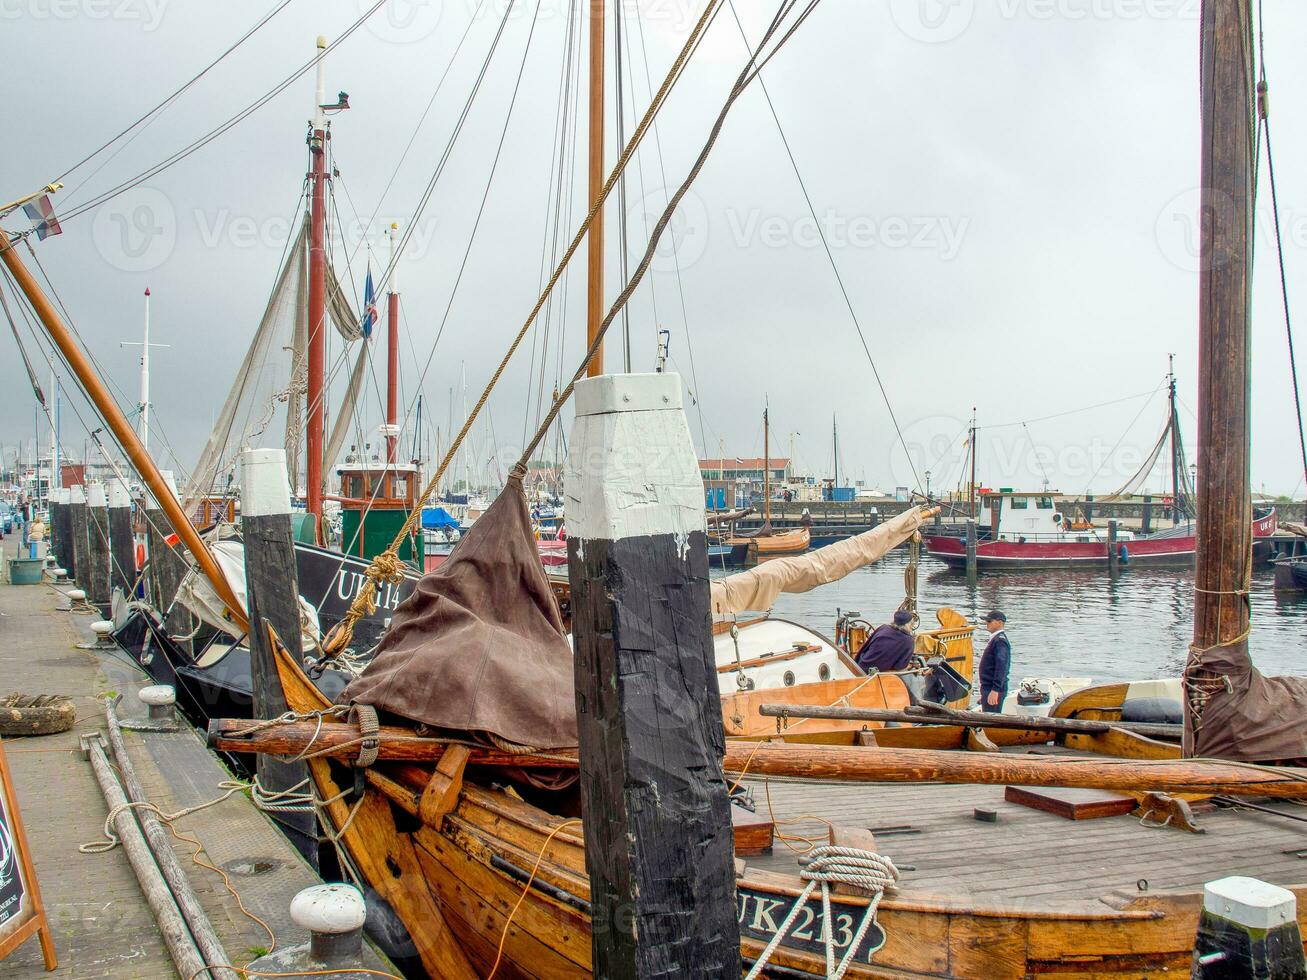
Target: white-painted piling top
102, 627
76, 494
95, 495
58, 496
157, 695
77, 595
331, 909
631, 466
1250, 902
265, 488
58, 572
627, 393
119, 494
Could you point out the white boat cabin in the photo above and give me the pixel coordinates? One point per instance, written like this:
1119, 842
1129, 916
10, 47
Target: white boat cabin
1034, 517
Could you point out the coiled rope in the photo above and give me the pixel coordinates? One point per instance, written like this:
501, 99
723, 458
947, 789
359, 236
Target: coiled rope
822, 865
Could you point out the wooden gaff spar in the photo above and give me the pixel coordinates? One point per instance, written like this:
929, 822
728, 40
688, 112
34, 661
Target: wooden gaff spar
122, 430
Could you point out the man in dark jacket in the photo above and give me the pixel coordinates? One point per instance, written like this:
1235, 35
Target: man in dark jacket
890, 646
995, 663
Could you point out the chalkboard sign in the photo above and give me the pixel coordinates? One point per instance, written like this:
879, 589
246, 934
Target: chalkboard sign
21, 911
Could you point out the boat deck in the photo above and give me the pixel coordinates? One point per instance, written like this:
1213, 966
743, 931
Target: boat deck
1029, 855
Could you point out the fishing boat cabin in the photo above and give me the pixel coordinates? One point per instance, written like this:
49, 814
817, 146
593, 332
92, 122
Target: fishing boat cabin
375, 501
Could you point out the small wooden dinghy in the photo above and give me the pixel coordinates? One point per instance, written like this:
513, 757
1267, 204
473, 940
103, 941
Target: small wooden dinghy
35, 714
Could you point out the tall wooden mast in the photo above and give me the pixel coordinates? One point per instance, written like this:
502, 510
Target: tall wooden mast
392, 355
313, 440
766, 469
122, 430
594, 301
1224, 505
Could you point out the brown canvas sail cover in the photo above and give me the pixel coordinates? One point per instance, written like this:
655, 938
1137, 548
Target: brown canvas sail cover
479, 646
1255, 718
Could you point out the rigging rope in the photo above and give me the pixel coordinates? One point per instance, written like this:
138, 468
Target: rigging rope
387, 566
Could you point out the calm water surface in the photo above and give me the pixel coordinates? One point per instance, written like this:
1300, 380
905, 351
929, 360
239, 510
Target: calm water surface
1066, 623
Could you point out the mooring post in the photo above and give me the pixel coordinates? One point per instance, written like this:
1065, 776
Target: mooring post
53, 507
122, 540
79, 562
97, 544
1113, 550
1248, 929
1089, 507
971, 547
1146, 523
272, 588
658, 840
167, 566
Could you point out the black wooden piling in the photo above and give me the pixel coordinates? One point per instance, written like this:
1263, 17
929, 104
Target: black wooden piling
1146, 524
122, 540
658, 840
1113, 549
272, 589
166, 567
97, 543
971, 548
55, 512
79, 560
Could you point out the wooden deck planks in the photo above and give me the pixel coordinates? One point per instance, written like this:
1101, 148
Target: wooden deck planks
1031, 856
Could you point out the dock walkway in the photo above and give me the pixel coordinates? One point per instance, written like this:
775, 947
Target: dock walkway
102, 926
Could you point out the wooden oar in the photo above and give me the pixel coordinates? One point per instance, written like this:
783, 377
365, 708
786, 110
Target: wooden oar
835, 762
917, 714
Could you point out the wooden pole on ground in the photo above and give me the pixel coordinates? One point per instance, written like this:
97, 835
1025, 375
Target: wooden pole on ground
1224, 561
97, 546
950, 716
658, 840
272, 590
172, 926
160, 841
79, 560
122, 540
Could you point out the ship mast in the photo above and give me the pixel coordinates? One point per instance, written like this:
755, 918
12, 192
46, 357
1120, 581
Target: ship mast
317, 298
392, 357
766, 470
1224, 504
595, 244
1175, 445
143, 406
122, 430
971, 492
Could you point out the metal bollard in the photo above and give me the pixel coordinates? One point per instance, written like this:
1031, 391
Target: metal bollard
101, 628
333, 915
161, 700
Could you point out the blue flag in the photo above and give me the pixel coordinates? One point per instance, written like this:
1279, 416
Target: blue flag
369, 306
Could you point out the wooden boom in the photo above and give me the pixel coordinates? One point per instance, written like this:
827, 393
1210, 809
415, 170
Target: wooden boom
917, 714
122, 430
835, 762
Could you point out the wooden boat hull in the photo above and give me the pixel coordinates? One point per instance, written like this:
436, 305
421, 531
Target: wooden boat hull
461, 880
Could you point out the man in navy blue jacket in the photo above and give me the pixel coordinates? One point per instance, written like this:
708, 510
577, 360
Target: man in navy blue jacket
995, 663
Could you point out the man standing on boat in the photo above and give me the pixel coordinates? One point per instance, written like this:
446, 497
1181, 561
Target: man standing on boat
890, 646
995, 663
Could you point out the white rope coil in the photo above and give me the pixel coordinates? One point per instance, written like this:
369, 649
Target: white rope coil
845, 865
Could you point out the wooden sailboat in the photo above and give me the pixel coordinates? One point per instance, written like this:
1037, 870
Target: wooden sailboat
765, 542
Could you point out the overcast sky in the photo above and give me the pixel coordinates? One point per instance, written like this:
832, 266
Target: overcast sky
1009, 189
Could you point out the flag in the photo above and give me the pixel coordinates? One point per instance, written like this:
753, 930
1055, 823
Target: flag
369, 306
41, 213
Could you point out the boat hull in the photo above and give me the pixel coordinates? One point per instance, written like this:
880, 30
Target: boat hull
1061, 554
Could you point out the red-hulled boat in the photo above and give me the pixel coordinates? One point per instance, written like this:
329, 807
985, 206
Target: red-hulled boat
1027, 530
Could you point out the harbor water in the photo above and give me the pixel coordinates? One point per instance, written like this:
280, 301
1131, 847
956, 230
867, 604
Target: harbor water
1064, 622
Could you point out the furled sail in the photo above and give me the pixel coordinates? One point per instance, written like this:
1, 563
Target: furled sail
479, 646
758, 588
273, 377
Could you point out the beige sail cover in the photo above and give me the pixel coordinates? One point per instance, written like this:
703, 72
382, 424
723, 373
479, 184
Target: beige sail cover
758, 588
